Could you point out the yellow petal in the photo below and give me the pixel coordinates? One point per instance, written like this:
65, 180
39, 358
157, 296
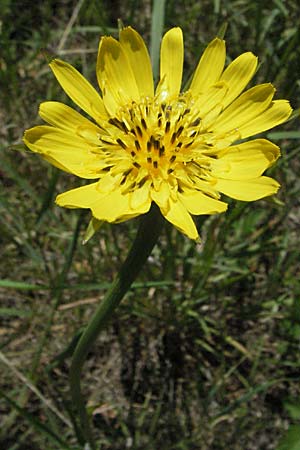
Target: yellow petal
245, 161
79, 89
140, 196
110, 207
238, 74
82, 197
198, 203
248, 190
278, 112
115, 75
64, 150
211, 99
177, 214
116, 207
244, 109
171, 64
139, 60
62, 116
210, 66
161, 194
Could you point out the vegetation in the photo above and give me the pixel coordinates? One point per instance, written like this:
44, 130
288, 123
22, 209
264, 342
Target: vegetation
203, 353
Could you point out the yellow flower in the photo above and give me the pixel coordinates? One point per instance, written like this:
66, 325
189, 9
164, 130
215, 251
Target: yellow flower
147, 145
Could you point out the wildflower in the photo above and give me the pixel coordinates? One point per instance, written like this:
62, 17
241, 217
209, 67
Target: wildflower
180, 150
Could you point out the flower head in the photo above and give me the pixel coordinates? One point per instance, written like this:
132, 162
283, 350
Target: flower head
180, 150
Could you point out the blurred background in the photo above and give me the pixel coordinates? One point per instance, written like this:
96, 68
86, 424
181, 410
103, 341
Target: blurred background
203, 353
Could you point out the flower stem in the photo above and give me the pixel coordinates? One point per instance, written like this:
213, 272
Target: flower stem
142, 246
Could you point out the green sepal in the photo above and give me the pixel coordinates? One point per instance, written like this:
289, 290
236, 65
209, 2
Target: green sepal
93, 226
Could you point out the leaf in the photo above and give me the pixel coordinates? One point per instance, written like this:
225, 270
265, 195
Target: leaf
291, 440
293, 409
36, 423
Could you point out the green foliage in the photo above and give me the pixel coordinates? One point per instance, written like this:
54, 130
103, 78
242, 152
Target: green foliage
204, 352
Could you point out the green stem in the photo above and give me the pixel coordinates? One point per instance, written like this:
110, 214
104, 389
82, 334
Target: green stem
145, 240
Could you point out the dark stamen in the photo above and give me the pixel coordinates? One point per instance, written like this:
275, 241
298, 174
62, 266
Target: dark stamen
168, 124
149, 160
138, 129
120, 142
156, 144
137, 145
106, 142
149, 146
124, 127
173, 138
179, 131
195, 123
142, 182
170, 171
161, 150
116, 122
137, 165
172, 159
159, 119
133, 154
155, 164
127, 172
168, 112
144, 125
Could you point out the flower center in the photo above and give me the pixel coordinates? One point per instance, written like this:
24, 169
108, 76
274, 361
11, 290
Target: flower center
155, 140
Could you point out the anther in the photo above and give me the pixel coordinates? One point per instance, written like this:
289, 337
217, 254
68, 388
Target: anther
156, 144
144, 125
172, 159
179, 131
142, 182
168, 112
120, 142
149, 146
137, 145
139, 131
125, 176
170, 171
168, 124
116, 122
161, 150
173, 138
136, 164
133, 154
149, 160
159, 119
155, 164
195, 123
106, 142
